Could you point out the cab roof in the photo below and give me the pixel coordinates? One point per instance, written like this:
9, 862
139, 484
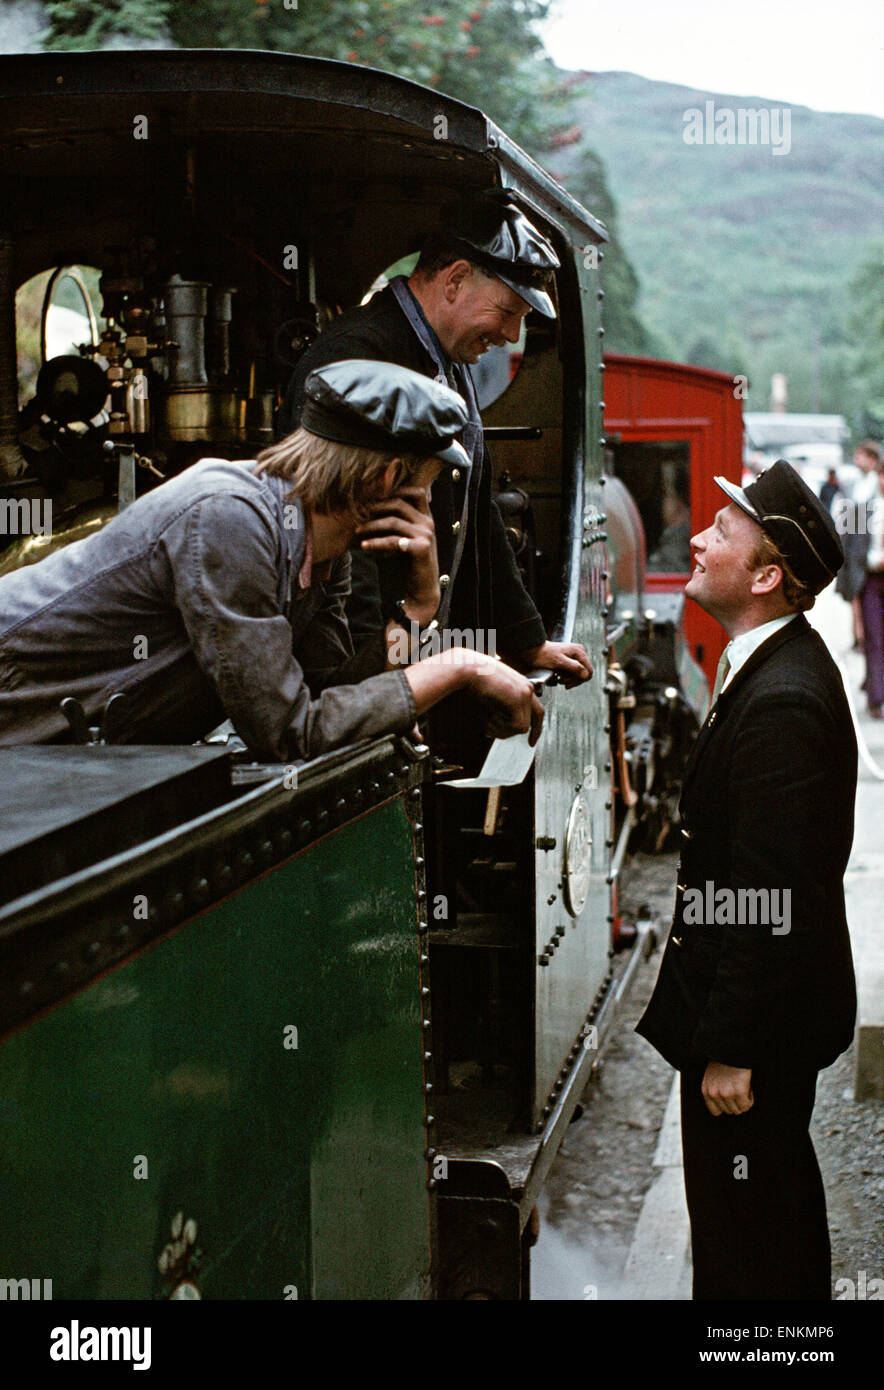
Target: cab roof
75, 112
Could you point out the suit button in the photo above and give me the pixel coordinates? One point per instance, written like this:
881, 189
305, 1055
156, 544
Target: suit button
455, 475
444, 581
455, 527
711, 720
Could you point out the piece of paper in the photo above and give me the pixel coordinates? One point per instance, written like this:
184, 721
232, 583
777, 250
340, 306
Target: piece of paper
506, 765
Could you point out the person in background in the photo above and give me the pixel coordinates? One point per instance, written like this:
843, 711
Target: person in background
872, 599
852, 521
830, 489
672, 553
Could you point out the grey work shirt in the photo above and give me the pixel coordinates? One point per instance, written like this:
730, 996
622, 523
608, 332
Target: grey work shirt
189, 603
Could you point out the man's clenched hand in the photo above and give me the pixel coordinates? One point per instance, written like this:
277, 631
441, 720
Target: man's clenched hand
569, 659
727, 1090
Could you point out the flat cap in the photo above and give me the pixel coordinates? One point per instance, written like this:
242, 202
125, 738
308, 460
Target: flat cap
796, 521
499, 237
378, 405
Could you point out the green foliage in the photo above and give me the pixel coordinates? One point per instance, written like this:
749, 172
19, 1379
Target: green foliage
745, 259
484, 52
624, 331
84, 24
865, 323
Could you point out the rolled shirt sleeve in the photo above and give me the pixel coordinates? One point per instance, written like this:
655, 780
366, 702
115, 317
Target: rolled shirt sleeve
224, 556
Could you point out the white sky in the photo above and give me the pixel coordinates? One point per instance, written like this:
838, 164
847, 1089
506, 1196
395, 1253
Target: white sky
828, 54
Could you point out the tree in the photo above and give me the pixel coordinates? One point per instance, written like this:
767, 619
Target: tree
83, 24
866, 325
624, 331
484, 52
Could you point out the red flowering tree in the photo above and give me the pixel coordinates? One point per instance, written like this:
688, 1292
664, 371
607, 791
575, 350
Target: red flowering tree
485, 52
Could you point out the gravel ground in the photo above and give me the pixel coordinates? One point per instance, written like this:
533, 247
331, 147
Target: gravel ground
595, 1190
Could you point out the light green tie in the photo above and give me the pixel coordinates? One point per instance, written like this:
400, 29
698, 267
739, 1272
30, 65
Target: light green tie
724, 666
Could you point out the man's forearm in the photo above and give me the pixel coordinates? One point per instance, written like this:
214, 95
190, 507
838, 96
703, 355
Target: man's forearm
438, 676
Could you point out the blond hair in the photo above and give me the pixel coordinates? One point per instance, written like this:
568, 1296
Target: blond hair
327, 476
795, 593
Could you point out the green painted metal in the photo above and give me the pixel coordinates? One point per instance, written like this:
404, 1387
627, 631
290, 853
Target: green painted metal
303, 1166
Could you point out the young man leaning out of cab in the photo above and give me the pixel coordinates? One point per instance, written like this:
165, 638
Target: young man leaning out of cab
221, 593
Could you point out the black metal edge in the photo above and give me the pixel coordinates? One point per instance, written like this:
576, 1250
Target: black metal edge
415, 811
60, 939
189, 72
558, 208
572, 1081
557, 205
575, 448
488, 1178
477, 1177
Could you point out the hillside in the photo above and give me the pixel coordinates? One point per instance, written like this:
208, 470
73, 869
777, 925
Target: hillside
744, 256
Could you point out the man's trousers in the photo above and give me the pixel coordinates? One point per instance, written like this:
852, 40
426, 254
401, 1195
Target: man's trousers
873, 627
754, 1191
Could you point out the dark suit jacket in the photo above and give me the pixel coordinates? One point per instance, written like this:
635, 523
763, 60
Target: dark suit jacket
767, 803
487, 589
855, 518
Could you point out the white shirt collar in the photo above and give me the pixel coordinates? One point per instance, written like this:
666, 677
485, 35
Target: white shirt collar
739, 649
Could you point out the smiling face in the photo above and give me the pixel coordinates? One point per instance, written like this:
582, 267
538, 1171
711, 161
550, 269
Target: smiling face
722, 581
471, 311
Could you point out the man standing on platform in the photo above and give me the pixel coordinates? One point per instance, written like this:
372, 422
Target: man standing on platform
756, 990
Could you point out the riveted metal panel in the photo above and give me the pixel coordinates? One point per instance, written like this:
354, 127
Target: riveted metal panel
299, 1155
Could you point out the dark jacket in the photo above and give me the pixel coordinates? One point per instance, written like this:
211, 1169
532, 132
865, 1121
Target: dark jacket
854, 521
767, 804
487, 589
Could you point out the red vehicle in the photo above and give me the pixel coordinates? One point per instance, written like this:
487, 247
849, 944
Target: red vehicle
670, 428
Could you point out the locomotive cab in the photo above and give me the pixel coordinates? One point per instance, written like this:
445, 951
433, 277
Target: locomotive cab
218, 210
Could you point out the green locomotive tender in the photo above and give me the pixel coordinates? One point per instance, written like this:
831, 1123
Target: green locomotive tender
244, 1055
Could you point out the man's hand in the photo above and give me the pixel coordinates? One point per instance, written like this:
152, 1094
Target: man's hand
514, 707
570, 659
727, 1090
406, 518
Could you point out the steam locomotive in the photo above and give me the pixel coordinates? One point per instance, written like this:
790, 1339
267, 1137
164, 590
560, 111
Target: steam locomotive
245, 1054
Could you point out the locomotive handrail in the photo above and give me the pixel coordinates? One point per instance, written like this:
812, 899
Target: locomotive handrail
513, 432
